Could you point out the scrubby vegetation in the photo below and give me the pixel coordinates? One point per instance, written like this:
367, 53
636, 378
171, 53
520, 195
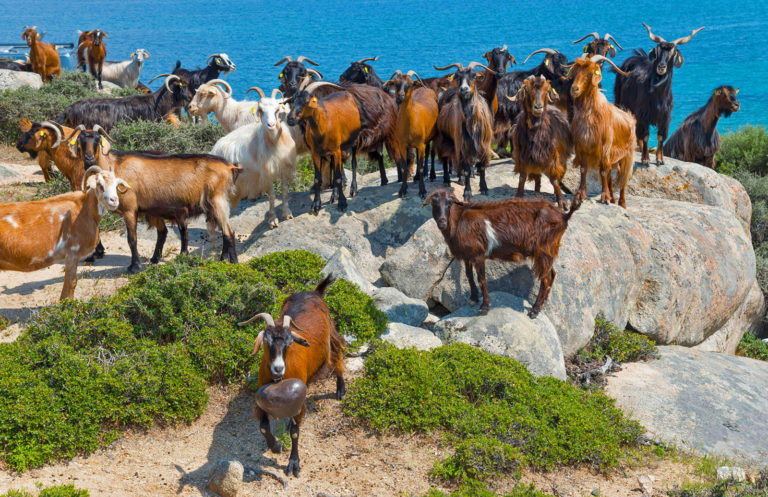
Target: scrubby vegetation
188, 138
479, 490
496, 415
726, 488
751, 346
55, 491
82, 372
620, 345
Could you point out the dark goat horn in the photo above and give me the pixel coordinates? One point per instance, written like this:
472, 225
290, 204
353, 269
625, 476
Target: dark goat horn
654, 38
549, 51
600, 58
683, 41
287, 58
362, 61
301, 59
457, 65
609, 37
53, 127
593, 35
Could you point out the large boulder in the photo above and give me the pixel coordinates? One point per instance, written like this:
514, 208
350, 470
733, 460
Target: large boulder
404, 336
399, 307
13, 80
703, 401
506, 330
342, 265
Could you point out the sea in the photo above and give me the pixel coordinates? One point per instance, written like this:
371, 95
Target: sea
411, 34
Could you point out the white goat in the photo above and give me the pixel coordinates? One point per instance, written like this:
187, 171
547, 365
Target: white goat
230, 113
266, 151
126, 72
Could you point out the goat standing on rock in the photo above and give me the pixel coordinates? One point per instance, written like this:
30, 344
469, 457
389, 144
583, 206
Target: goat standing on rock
509, 230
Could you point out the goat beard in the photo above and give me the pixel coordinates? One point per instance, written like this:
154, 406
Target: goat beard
660, 81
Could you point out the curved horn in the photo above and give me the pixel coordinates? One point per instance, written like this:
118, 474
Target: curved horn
504, 48
159, 76
287, 58
315, 73
457, 65
684, 40
98, 129
55, 129
301, 59
287, 322
257, 90
78, 129
473, 65
654, 38
275, 91
224, 84
397, 73
600, 58
548, 51
413, 73
593, 35
609, 37
210, 57
267, 317
88, 172
313, 86
363, 61
169, 79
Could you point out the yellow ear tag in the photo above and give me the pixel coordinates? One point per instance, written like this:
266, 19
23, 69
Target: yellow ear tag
450, 78
555, 92
717, 92
72, 142
103, 142
253, 109
597, 72
42, 133
281, 75
678, 58
546, 62
585, 48
365, 69
736, 91
314, 100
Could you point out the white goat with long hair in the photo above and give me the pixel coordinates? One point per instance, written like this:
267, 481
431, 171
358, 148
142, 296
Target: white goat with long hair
266, 150
125, 73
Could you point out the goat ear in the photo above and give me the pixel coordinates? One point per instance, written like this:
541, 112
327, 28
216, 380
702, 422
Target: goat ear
487, 56
299, 340
612, 51
25, 124
552, 95
678, 59
736, 91
257, 342
597, 76
456, 200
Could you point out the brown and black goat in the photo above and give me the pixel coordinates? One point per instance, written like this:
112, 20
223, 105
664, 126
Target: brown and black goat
97, 52
508, 230
600, 46
41, 141
498, 58
603, 134
541, 138
697, 139
82, 47
294, 73
306, 321
465, 126
43, 57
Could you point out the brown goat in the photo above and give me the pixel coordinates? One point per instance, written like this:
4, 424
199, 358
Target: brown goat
45, 140
321, 352
600, 46
603, 135
82, 46
42, 56
97, 52
541, 138
509, 230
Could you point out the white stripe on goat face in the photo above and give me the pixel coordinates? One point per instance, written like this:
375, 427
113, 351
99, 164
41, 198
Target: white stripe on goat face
278, 364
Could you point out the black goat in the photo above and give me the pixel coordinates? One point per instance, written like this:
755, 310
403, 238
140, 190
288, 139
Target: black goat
362, 73
647, 91
294, 73
697, 139
217, 63
14, 65
107, 112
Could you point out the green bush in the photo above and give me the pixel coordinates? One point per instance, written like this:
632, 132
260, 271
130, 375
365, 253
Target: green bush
620, 345
355, 313
496, 415
476, 489
188, 138
726, 488
292, 270
751, 346
745, 150
55, 491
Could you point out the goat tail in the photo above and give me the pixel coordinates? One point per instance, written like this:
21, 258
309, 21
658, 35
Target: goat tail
323, 285
575, 204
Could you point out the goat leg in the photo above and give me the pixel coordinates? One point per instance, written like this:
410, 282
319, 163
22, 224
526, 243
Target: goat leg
430, 153
480, 266
402, 171
558, 193
423, 173
609, 180
382, 172
522, 178
483, 185
537, 183
353, 186
130, 228
317, 203
98, 253
285, 209
293, 462
271, 216
467, 186
660, 139
604, 196
544, 289
162, 234
70, 278
446, 172
474, 297
273, 443
339, 173
582, 193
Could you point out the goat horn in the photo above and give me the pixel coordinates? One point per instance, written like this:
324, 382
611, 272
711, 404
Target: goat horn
473, 65
276, 91
78, 129
88, 172
287, 323
504, 48
609, 37
363, 61
267, 317
210, 57
593, 35
313, 86
55, 129
301, 59
159, 76
511, 99
287, 58
457, 65
315, 73
224, 84
170, 78
600, 58
257, 90
683, 41
413, 73
98, 129
548, 51
654, 38
396, 73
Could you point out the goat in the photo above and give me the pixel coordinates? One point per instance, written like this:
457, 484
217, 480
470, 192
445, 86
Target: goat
97, 52
362, 73
43, 57
552, 68
603, 134
498, 58
294, 73
216, 64
320, 352
416, 119
216, 96
465, 126
541, 138
82, 46
45, 141
106, 112
173, 187
697, 139
266, 151
509, 230
600, 46
15, 65
37, 234
645, 89
125, 73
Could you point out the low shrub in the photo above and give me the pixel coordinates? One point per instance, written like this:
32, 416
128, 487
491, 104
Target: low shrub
725, 488
496, 415
188, 138
355, 313
480, 490
55, 491
620, 345
745, 150
751, 346
292, 270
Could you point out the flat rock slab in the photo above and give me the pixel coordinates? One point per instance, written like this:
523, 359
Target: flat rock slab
704, 401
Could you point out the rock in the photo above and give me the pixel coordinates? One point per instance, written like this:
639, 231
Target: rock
703, 401
342, 265
108, 87
731, 473
399, 307
508, 331
404, 336
13, 80
354, 364
431, 319
646, 484
226, 477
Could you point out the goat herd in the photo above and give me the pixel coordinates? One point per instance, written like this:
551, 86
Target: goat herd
545, 115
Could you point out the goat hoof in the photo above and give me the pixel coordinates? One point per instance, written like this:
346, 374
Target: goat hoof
273, 224
473, 302
293, 468
134, 268
277, 448
90, 260
154, 260
340, 394
483, 310
533, 313
384, 181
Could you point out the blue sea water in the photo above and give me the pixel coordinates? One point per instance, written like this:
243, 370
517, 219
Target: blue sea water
411, 34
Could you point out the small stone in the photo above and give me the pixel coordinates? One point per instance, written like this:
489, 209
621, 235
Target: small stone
226, 477
731, 473
646, 484
596, 492
355, 364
